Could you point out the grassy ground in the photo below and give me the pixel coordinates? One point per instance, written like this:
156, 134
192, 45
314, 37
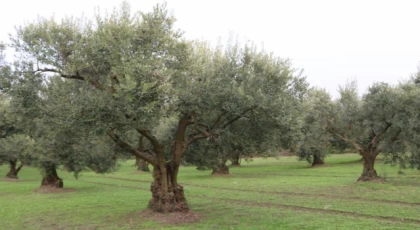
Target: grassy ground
262, 194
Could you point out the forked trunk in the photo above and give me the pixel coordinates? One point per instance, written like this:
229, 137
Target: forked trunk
317, 160
369, 172
50, 178
142, 165
167, 194
13, 172
235, 159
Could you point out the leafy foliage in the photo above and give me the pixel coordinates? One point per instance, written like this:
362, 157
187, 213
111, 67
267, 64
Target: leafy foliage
316, 141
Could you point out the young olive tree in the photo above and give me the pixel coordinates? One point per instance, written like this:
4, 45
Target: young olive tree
135, 71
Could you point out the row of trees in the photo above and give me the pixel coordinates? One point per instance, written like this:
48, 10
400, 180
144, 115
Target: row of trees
84, 94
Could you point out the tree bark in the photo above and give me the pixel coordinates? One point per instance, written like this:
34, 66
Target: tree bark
13, 172
167, 194
317, 160
142, 165
235, 159
221, 170
50, 178
369, 172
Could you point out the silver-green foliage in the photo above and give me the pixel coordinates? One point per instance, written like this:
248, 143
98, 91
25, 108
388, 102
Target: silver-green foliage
136, 71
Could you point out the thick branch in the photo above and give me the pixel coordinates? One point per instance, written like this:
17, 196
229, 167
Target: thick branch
393, 139
218, 120
197, 128
377, 137
347, 140
140, 144
155, 143
180, 146
237, 117
194, 138
49, 70
130, 149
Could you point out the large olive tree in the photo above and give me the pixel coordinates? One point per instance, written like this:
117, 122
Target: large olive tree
135, 71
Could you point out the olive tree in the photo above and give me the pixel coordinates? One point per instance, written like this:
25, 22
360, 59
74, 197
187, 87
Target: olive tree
54, 138
135, 71
382, 119
12, 143
316, 140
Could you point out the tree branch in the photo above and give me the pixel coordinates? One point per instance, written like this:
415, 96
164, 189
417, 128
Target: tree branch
49, 70
218, 120
375, 139
347, 140
238, 117
197, 128
393, 139
155, 143
194, 138
130, 149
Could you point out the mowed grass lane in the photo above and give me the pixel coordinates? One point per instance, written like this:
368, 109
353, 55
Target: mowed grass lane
262, 194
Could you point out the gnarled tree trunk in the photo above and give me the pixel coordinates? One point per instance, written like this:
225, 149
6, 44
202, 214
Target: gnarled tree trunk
167, 194
142, 165
221, 170
235, 159
13, 172
317, 160
50, 178
369, 172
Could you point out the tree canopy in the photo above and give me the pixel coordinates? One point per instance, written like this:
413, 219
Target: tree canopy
133, 71
87, 93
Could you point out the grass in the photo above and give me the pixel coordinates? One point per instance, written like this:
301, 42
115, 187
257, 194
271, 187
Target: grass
262, 194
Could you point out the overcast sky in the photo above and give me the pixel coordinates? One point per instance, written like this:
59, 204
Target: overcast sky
332, 40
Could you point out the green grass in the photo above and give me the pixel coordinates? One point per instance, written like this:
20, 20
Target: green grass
262, 194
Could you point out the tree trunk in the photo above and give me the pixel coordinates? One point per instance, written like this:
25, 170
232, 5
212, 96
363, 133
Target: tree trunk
369, 172
167, 194
142, 165
221, 170
235, 159
317, 160
50, 178
13, 172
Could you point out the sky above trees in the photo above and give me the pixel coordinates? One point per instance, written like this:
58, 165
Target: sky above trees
334, 41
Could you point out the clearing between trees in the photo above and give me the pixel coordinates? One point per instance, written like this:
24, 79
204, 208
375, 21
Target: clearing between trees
265, 193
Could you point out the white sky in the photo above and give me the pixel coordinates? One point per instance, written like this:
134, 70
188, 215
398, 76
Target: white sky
333, 40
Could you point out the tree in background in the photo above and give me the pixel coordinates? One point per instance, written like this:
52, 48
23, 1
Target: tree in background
316, 140
56, 139
376, 123
405, 148
13, 145
15, 149
134, 71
